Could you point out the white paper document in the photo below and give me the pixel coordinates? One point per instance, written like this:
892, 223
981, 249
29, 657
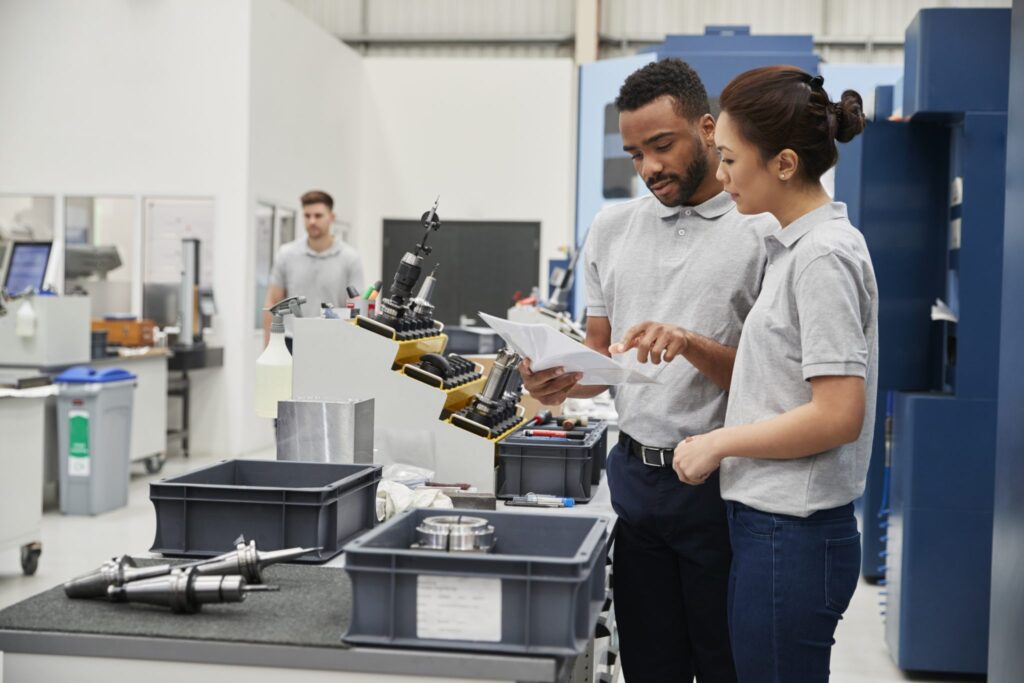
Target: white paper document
941, 311
547, 348
458, 608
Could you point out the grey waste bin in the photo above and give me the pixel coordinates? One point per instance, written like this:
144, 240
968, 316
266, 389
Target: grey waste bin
94, 418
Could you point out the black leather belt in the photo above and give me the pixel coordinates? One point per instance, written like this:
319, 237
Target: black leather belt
649, 455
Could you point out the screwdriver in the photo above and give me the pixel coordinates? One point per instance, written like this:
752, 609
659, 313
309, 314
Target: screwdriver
543, 417
555, 434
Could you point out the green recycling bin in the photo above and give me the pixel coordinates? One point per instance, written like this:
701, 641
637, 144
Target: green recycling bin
94, 424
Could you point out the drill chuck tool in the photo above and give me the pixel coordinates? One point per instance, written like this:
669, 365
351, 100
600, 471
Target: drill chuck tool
400, 314
421, 306
116, 572
490, 397
185, 591
410, 266
493, 411
244, 560
249, 562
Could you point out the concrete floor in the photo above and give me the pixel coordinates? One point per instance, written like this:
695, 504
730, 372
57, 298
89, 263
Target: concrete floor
75, 545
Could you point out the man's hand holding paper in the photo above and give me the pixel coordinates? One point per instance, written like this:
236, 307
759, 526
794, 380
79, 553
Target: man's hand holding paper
547, 348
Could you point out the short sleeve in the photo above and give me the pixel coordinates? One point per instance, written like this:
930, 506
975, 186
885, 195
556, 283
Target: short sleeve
277, 271
596, 306
832, 303
355, 271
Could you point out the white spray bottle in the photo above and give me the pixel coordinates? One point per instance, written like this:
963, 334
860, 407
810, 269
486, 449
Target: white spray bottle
274, 366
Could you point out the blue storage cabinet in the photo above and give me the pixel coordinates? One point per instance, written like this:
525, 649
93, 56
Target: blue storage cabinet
940, 535
894, 179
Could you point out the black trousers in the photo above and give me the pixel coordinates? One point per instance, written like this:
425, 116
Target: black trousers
671, 574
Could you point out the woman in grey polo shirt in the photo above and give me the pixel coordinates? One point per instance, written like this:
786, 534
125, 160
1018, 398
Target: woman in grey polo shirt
797, 438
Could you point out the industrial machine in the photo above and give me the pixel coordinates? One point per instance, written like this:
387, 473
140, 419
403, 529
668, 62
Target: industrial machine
928, 192
39, 330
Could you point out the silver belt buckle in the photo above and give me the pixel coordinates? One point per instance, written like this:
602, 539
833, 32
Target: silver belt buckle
660, 462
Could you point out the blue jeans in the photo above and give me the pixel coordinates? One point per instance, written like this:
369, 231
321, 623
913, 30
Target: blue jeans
671, 574
791, 580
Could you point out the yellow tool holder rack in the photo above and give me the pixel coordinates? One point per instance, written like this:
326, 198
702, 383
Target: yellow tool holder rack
480, 430
337, 361
409, 350
458, 397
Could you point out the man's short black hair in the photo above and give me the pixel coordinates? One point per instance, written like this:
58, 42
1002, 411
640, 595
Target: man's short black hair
666, 77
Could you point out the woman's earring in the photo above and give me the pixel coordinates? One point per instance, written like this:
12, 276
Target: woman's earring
782, 176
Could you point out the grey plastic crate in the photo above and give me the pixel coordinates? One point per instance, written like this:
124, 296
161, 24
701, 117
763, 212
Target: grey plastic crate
569, 470
547, 573
278, 504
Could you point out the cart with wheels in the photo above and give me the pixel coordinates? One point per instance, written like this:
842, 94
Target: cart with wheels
22, 420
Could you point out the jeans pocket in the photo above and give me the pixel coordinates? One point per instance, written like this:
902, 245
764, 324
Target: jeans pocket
755, 523
842, 570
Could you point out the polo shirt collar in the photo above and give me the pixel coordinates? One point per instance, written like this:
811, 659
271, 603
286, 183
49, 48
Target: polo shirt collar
332, 250
789, 235
717, 206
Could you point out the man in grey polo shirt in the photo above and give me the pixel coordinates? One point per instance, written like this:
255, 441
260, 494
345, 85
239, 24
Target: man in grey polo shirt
319, 267
688, 260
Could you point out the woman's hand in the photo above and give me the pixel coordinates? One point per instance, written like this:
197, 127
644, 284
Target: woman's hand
697, 457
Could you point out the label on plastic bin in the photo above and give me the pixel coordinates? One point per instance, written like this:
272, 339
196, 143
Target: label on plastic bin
78, 443
458, 608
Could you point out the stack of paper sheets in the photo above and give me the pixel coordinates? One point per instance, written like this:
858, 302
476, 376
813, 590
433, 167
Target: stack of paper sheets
548, 348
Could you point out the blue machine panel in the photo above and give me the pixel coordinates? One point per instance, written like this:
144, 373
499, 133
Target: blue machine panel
952, 60
943, 454
940, 533
884, 101
894, 180
1006, 632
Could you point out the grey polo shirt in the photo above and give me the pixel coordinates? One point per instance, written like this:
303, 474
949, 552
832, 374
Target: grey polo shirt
817, 315
698, 267
319, 276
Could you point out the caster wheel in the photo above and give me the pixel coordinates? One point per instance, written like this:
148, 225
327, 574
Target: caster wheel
154, 464
30, 558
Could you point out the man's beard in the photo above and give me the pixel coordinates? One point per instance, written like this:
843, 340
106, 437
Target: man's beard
691, 179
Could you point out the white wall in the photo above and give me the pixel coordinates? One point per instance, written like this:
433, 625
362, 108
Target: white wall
304, 102
116, 97
494, 137
247, 101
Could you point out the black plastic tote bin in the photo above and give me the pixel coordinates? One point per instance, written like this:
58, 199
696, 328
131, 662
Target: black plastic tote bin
534, 465
278, 504
539, 592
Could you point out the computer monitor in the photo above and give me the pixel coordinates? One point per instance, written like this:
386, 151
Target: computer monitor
26, 266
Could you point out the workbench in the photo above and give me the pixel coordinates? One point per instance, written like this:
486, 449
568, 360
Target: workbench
294, 635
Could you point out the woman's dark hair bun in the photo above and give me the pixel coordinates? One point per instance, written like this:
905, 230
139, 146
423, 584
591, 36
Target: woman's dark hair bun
849, 116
